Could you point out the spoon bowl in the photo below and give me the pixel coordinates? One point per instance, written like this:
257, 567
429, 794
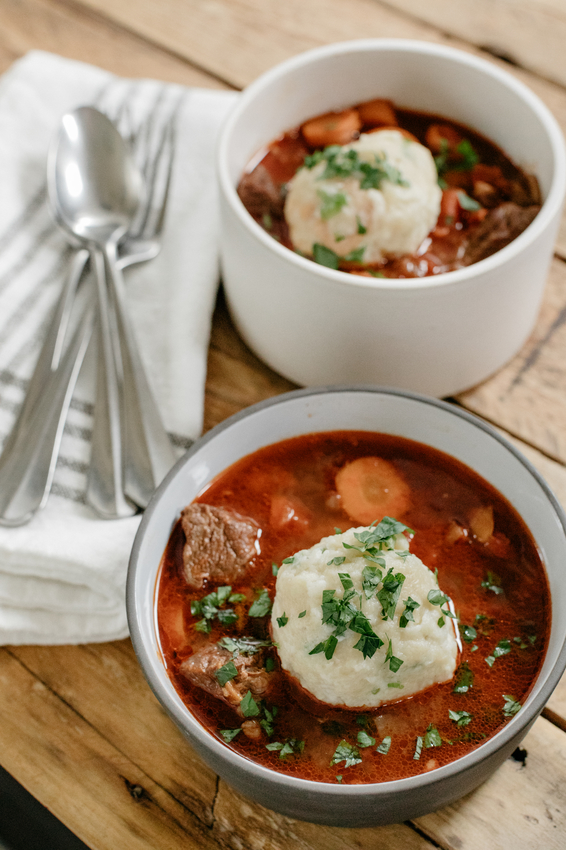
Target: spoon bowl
94, 183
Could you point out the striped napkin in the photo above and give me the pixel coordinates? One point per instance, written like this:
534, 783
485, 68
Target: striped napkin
62, 576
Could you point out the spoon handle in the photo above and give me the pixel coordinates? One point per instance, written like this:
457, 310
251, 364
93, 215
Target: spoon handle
29, 455
148, 451
27, 470
105, 491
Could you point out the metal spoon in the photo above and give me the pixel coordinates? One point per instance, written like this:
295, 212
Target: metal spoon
95, 189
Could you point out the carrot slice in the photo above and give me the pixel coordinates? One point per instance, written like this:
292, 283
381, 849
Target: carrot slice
371, 488
376, 112
401, 130
333, 128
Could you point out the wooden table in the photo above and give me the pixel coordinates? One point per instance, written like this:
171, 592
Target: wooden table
79, 727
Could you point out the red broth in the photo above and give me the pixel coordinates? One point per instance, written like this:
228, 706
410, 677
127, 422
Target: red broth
445, 498
487, 200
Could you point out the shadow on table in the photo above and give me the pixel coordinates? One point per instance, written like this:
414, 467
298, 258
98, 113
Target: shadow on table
26, 825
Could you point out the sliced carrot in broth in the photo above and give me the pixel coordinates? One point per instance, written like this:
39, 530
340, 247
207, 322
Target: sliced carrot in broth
333, 128
376, 112
371, 488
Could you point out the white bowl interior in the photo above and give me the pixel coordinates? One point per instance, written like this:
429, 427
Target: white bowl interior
415, 75
418, 418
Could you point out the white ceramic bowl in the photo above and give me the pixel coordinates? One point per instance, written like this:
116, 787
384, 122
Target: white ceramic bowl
437, 335
423, 419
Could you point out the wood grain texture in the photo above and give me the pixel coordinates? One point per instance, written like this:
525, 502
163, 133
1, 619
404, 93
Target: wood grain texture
79, 34
505, 26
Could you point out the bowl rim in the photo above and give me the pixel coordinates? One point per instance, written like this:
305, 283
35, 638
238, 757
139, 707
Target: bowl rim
544, 217
170, 700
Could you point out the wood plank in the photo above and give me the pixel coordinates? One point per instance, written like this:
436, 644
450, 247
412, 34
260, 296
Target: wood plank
79, 34
104, 798
104, 684
523, 808
531, 33
526, 397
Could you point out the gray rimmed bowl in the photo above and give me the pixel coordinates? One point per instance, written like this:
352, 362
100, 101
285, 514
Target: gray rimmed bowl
435, 423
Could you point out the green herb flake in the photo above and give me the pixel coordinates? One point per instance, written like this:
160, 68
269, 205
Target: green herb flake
467, 203
394, 663
243, 646
261, 606
336, 562
288, 560
356, 256
210, 607
332, 203
418, 748
226, 672
361, 228
339, 778
407, 615
464, 679
327, 646
511, 705
365, 740
249, 706
460, 718
229, 734
432, 737
348, 753
282, 621
269, 665
385, 746
267, 723
302, 614
337, 530
395, 685
468, 633
325, 257
389, 594
274, 568
493, 583
267, 221
437, 597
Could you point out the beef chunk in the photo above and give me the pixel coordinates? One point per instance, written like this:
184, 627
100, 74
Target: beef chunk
260, 194
218, 544
252, 676
500, 226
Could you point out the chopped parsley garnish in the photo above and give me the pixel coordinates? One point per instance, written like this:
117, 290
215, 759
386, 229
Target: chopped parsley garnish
268, 721
348, 753
339, 778
407, 615
464, 679
468, 633
347, 163
395, 685
262, 605
394, 663
502, 648
229, 734
336, 562
468, 203
493, 583
243, 646
292, 746
210, 607
383, 748
274, 568
469, 157
356, 256
511, 705
288, 560
418, 748
269, 665
327, 646
249, 706
332, 203
460, 718
325, 256
361, 228
390, 593
365, 740
432, 737
437, 597
371, 579
282, 621
267, 221
302, 614
226, 672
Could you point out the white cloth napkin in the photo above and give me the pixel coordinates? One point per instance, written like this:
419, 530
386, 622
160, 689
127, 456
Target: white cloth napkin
62, 576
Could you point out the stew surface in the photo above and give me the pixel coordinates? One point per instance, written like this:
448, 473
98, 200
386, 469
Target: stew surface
487, 201
487, 563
